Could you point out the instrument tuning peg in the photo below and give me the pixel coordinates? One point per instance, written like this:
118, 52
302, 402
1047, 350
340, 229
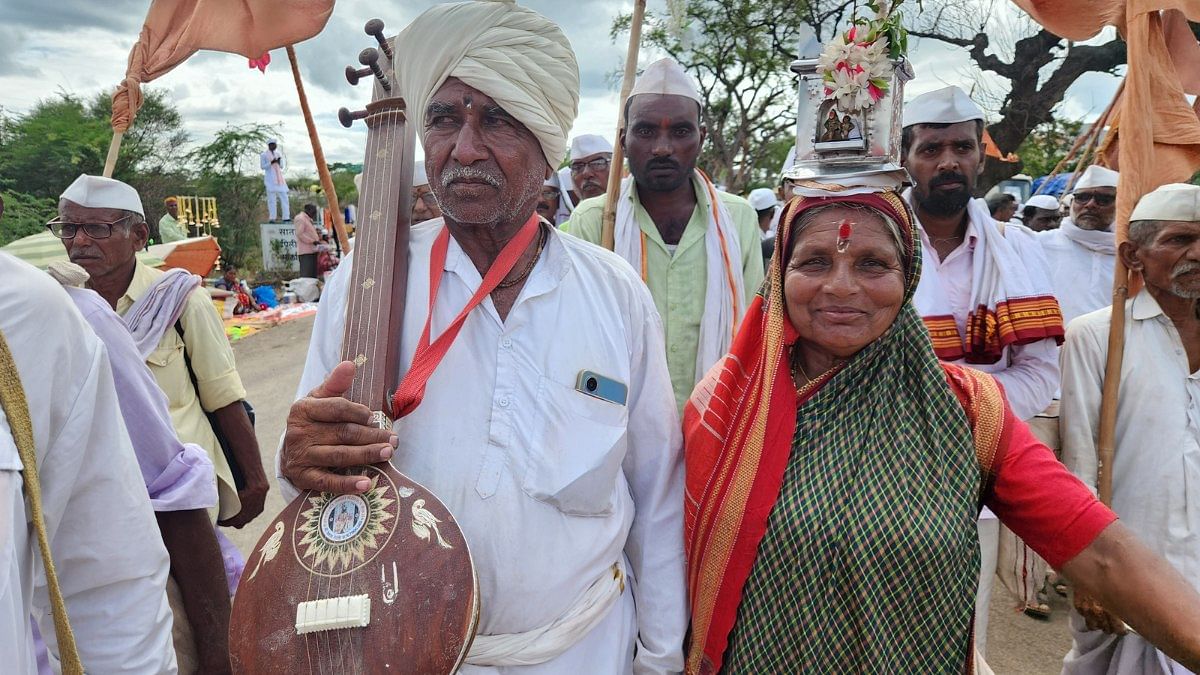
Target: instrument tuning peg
353, 75
346, 117
369, 57
374, 28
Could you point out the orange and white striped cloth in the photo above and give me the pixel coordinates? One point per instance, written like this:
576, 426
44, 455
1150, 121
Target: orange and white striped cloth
724, 292
1012, 299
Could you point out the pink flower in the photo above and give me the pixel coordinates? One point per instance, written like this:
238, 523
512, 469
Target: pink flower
876, 92
851, 33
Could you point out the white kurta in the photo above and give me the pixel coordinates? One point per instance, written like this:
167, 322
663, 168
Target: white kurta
1082, 275
1156, 467
549, 485
273, 180
111, 563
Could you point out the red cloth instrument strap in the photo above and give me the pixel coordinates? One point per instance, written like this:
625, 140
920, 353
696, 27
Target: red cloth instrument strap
427, 356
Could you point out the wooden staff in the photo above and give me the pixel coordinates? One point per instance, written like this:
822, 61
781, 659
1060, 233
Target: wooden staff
335, 210
609, 217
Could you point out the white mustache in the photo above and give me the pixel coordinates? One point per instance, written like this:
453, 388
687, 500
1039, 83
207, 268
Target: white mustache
1185, 268
452, 174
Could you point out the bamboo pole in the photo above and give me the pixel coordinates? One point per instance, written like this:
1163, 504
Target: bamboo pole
609, 217
335, 210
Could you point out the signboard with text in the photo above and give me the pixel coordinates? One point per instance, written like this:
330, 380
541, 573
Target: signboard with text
279, 247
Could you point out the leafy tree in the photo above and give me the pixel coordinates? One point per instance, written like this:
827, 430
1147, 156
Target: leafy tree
24, 215
227, 173
42, 151
739, 52
1046, 146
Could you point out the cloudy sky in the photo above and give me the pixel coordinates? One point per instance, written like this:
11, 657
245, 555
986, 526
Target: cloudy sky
81, 47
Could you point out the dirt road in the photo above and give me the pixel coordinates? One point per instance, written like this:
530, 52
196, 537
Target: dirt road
270, 363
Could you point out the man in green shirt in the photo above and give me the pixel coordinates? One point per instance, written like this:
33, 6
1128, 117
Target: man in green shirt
169, 229
701, 260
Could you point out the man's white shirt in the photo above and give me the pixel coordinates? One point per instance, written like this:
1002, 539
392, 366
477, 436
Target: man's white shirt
1156, 467
111, 562
550, 486
1082, 277
1029, 372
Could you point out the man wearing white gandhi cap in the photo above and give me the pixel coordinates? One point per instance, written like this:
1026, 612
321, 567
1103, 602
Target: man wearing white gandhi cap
984, 294
1156, 469
1082, 250
553, 480
674, 226
590, 158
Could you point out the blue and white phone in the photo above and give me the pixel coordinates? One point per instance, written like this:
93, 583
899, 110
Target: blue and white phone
601, 387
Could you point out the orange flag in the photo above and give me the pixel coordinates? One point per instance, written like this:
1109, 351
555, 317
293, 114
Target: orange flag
1159, 137
176, 29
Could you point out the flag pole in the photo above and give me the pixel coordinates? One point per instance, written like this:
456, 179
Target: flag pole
609, 218
335, 210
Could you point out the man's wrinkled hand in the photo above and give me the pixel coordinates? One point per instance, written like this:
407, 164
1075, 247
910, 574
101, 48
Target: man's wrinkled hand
1096, 617
253, 498
326, 432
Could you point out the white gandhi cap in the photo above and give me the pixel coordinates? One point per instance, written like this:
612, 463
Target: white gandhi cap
666, 76
1097, 176
1048, 202
98, 192
588, 145
949, 105
761, 199
419, 176
1174, 201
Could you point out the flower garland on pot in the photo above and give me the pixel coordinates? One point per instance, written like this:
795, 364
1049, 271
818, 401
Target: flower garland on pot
856, 66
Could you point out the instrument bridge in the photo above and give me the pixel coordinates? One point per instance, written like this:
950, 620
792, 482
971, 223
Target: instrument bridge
352, 611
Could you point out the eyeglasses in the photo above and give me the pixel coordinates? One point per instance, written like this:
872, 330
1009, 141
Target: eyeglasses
1099, 198
66, 230
599, 164
549, 194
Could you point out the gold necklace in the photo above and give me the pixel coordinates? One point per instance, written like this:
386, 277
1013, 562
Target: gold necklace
532, 261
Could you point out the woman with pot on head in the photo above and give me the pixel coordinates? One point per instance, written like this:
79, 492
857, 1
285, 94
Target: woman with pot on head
835, 470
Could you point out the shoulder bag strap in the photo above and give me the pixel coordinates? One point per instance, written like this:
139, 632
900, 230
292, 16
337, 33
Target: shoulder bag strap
16, 409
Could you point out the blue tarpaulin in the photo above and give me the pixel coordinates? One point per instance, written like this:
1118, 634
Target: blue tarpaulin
1056, 186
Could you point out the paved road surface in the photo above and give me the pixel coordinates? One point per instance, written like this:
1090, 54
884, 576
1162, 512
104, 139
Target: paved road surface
270, 363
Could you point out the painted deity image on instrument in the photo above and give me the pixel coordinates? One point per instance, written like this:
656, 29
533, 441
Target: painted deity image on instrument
338, 534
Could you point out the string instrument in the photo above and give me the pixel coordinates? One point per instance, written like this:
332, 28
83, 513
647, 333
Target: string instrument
380, 582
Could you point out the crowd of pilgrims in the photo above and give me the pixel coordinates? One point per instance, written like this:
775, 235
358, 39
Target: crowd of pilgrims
830, 420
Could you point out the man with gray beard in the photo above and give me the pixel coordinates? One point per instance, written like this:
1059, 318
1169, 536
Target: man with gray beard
1156, 470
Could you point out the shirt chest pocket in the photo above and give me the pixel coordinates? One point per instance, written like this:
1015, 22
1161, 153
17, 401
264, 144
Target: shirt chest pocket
167, 364
578, 445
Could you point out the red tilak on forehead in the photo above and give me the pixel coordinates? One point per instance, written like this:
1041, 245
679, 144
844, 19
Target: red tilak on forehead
845, 229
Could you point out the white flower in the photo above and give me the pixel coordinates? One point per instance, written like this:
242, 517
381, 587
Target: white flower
835, 52
850, 89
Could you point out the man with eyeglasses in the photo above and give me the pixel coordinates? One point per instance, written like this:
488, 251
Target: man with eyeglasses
1082, 251
591, 156
424, 204
550, 202
102, 225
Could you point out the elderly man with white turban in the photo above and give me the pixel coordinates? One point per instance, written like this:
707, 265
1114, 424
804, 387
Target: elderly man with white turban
548, 428
697, 248
1156, 470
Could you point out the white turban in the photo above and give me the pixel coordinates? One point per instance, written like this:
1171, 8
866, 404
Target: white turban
513, 54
